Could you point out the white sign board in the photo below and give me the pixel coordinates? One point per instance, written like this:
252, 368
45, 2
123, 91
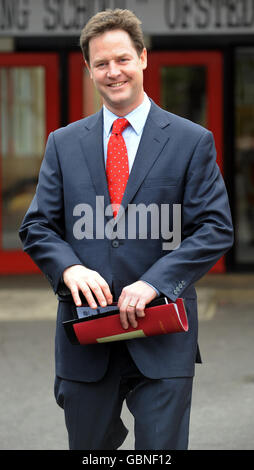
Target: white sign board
166, 17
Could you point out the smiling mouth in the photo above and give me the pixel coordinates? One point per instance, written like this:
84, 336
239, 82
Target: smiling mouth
116, 85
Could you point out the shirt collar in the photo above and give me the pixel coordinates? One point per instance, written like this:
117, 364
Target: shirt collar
136, 118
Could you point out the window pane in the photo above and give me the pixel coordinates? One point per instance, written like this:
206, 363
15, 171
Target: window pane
22, 131
183, 91
244, 171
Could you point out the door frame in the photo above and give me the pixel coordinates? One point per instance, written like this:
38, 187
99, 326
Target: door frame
16, 261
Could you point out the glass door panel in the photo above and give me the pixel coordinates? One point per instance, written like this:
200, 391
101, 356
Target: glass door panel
244, 156
22, 100
188, 98
27, 115
189, 84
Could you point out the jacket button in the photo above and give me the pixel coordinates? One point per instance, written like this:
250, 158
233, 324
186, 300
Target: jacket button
115, 243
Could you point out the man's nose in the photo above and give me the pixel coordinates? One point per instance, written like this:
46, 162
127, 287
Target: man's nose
113, 70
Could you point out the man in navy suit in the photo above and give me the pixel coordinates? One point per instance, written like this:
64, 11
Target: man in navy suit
172, 162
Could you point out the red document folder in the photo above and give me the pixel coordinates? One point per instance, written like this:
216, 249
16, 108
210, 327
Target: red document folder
161, 317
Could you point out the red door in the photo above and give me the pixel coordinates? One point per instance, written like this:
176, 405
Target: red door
190, 84
29, 110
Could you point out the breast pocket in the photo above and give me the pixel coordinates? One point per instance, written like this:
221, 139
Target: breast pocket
165, 182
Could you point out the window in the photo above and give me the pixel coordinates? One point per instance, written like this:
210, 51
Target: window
244, 145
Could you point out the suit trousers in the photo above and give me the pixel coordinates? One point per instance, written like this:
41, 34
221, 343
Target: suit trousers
161, 407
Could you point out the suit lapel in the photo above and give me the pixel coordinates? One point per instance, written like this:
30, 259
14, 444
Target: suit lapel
151, 144
92, 148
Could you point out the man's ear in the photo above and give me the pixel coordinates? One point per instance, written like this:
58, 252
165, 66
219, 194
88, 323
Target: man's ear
143, 58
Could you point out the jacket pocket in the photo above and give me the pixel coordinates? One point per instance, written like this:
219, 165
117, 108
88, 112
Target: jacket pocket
160, 182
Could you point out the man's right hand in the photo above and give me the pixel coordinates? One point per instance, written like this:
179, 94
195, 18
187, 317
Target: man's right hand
78, 278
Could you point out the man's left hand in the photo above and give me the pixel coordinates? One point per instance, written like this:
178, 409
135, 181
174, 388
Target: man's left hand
132, 302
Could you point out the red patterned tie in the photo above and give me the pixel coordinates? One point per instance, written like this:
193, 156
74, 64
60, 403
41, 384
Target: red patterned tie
117, 167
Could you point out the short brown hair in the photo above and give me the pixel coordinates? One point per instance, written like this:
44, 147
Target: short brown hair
109, 20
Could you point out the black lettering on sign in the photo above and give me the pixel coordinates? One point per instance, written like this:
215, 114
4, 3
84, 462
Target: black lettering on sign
203, 13
67, 14
83, 10
14, 14
218, 4
50, 21
172, 13
232, 13
248, 13
240, 13
185, 10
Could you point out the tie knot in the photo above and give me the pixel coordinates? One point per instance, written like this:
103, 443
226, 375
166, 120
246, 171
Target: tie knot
119, 125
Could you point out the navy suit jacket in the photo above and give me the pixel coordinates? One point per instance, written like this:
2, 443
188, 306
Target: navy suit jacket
175, 164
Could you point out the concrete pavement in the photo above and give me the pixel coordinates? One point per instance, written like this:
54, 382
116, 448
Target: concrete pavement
223, 397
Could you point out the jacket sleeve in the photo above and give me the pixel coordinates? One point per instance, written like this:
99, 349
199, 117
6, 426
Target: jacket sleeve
206, 225
43, 228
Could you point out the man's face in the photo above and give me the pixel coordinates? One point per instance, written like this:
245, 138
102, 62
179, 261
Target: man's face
117, 71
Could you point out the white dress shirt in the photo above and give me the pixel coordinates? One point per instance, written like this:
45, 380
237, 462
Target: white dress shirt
132, 134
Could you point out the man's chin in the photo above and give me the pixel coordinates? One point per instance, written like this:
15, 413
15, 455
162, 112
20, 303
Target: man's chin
117, 102
119, 96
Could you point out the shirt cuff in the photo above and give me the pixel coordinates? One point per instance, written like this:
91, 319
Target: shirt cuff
156, 290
